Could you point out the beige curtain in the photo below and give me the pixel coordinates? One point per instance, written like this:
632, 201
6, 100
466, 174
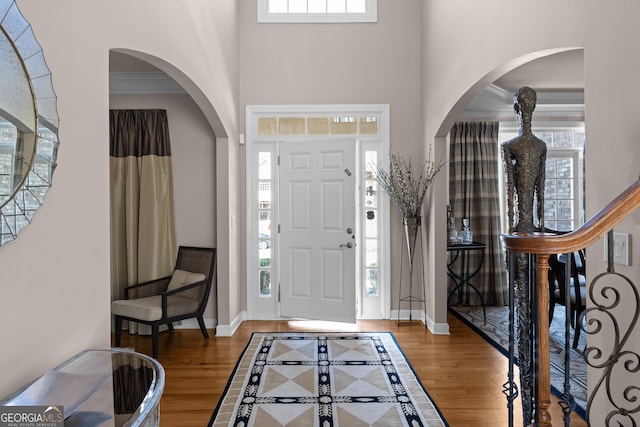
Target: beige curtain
474, 194
143, 241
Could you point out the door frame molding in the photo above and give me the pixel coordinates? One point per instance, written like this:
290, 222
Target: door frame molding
267, 308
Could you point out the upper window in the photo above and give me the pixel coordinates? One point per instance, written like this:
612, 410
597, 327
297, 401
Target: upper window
317, 11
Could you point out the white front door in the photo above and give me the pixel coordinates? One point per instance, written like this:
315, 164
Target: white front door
317, 229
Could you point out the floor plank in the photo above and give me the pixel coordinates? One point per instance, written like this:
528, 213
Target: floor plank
462, 373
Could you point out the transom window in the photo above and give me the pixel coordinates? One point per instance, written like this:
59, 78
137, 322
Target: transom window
317, 11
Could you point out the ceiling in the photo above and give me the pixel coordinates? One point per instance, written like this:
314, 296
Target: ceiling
558, 80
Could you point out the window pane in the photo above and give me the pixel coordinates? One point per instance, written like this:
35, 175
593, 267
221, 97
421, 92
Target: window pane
546, 137
318, 125
549, 211
564, 189
368, 125
267, 126
371, 194
370, 161
371, 282
264, 195
336, 6
291, 125
371, 224
356, 6
317, 6
563, 139
277, 6
550, 188
345, 125
264, 224
297, 6
264, 165
565, 210
265, 253
564, 168
265, 283
565, 226
371, 256
550, 168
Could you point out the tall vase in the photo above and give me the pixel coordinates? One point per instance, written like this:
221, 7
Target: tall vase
411, 232
411, 229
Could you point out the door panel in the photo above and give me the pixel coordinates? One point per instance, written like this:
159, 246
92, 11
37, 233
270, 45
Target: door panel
317, 219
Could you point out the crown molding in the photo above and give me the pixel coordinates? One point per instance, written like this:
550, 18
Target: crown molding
496, 103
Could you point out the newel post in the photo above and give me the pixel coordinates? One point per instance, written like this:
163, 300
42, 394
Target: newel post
544, 361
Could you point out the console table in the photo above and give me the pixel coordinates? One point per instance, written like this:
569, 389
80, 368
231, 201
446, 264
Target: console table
100, 388
460, 252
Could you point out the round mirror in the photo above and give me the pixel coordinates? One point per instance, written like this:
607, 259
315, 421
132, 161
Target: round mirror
28, 123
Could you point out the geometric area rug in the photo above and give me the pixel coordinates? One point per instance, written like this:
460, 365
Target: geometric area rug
324, 379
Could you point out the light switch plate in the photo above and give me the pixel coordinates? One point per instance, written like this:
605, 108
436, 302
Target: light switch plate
621, 248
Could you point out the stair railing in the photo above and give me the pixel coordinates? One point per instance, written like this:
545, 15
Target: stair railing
602, 317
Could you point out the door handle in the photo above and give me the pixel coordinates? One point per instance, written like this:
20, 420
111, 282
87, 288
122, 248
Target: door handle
347, 245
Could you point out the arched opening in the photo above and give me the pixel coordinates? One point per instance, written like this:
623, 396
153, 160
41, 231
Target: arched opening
558, 77
518, 69
142, 81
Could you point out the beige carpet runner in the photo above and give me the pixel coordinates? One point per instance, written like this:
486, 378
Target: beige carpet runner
324, 379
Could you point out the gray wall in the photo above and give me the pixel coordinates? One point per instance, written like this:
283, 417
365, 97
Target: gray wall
360, 63
55, 276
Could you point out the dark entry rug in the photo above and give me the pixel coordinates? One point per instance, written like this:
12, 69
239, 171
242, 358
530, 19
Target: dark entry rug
325, 379
496, 332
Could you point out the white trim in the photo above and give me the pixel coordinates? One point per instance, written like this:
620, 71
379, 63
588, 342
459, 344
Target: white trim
434, 328
370, 15
264, 308
229, 330
437, 328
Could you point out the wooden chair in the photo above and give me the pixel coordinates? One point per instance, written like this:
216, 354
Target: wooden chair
182, 295
576, 286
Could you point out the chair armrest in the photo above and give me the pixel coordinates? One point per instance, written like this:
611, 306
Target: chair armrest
193, 291
146, 289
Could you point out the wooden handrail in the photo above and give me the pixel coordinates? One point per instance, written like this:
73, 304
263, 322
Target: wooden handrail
586, 235
545, 244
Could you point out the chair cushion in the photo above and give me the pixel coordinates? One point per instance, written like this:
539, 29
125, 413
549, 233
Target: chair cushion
148, 308
182, 278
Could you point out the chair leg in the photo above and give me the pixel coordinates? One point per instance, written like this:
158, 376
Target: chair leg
154, 339
170, 326
205, 334
118, 330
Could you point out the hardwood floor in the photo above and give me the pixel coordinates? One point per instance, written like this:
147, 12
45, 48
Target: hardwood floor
462, 373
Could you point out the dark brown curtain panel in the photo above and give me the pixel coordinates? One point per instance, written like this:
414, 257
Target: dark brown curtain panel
143, 241
474, 194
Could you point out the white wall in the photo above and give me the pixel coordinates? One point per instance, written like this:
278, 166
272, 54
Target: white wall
193, 162
55, 276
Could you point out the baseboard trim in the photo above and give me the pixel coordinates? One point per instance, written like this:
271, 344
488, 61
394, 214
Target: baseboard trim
229, 330
437, 328
193, 324
434, 328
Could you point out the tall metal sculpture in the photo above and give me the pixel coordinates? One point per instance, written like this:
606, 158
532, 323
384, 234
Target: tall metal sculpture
524, 161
